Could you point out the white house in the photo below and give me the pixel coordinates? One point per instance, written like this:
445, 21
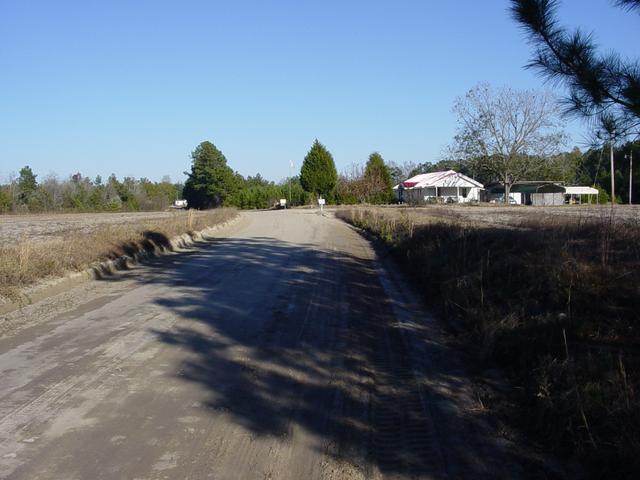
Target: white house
447, 186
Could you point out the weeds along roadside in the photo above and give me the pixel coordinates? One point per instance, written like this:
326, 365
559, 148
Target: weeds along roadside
26, 262
555, 301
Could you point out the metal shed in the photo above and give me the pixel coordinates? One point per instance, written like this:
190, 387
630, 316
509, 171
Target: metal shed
529, 193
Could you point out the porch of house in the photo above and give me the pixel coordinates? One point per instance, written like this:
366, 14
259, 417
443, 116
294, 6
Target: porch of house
441, 194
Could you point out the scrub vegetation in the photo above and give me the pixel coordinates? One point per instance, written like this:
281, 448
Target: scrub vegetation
554, 301
26, 193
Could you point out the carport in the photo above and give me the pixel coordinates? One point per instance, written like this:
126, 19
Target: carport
574, 194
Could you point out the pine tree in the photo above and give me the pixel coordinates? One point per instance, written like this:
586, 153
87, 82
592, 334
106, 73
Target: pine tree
318, 174
211, 181
602, 85
378, 180
27, 184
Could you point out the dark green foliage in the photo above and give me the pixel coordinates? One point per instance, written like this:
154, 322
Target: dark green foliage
396, 174
5, 200
27, 185
318, 174
211, 182
378, 180
563, 167
256, 181
629, 4
594, 170
603, 86
256, 192
298, 195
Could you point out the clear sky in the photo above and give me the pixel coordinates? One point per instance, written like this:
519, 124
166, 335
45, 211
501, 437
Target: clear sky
131, 87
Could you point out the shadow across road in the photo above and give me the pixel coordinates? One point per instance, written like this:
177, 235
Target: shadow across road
286, 338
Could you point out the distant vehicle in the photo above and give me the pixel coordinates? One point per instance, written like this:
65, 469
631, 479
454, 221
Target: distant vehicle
179, 204
279, 204
512, 201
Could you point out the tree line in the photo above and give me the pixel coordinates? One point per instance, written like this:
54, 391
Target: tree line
213, 183
77, 193
210, 183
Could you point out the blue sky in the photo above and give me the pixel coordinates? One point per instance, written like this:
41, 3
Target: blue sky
131, 88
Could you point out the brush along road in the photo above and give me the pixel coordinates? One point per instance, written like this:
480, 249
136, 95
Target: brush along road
284, 350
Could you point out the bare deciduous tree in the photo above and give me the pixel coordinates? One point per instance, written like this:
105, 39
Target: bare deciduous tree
400, 172
351, 187
507, 133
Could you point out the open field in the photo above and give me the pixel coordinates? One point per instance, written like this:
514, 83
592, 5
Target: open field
516, 216
38, 247
36, 227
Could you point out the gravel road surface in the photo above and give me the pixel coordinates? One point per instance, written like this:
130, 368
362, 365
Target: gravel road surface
284, 350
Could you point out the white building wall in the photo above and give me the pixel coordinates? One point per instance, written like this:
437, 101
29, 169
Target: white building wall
516, 198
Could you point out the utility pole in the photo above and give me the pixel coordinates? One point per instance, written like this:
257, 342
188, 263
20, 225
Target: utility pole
630, 156
613, 180
290, 172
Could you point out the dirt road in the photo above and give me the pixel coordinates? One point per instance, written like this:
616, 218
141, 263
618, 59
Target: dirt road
283, 351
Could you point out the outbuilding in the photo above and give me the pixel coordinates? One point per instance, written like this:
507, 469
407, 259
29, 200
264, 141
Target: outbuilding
576, 194
539, 193
528, 193
443, 187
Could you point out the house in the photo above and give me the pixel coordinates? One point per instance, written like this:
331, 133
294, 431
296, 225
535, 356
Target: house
448, 187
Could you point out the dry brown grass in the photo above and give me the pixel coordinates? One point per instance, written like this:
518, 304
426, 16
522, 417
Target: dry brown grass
554, 301
27, 262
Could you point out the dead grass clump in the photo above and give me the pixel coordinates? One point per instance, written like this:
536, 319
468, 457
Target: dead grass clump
27, 262
553, 301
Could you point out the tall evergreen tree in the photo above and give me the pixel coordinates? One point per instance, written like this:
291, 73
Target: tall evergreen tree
378, 180
318, 173
211, 181
27, 184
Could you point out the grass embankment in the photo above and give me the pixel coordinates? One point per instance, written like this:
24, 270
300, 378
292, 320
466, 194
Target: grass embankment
27, 262
556, 303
